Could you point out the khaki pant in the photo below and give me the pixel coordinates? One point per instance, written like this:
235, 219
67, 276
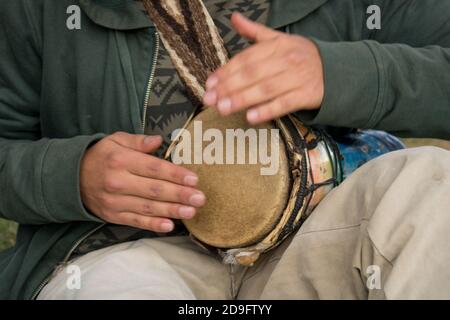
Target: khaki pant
384, 233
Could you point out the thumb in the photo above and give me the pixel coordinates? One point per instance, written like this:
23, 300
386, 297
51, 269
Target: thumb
251, 30
137, 142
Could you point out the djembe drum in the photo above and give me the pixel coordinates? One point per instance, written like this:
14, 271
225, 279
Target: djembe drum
248, 213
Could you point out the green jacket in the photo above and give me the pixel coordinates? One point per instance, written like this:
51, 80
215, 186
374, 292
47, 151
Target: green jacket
63, 90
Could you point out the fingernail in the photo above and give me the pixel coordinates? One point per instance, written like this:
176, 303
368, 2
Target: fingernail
186, 212
197, 200
166, 226
224, 105
210, 98
191, 181
150, 139
212, 82
253, 116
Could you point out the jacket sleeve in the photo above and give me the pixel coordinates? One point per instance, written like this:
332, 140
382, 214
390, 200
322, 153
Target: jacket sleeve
398, 80
39, 177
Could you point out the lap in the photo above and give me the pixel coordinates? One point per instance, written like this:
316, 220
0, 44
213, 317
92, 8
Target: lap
162, 268
393, 213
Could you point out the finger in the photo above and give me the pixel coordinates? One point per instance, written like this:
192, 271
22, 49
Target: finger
250, 75
137, 142
155, 224
262, 92
152, 167
277, 108
151, 208
251, 30
253, 54
153, 189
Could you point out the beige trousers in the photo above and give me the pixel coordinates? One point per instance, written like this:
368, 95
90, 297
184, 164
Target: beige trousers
384, 233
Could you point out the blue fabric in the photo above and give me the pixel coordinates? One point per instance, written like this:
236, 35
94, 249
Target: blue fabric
362, 146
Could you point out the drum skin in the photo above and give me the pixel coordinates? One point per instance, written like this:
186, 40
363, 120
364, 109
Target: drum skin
242, 205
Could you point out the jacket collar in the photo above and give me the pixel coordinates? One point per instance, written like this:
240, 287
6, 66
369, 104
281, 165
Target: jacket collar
126, 14
284, 12
116, 14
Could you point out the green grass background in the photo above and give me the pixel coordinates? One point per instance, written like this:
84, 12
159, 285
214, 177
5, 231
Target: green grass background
7, 234
8, 229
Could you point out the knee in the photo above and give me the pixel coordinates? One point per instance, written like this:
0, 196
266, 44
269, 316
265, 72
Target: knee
412, 198
431, 162
400, 178
431, 155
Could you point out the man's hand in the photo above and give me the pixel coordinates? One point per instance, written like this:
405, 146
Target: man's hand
122, 184
279, 74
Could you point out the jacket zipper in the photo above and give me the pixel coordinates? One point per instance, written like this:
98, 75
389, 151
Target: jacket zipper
146, 100
150, 81
66, 258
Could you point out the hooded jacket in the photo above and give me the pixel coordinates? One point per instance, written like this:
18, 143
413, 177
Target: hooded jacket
62, 90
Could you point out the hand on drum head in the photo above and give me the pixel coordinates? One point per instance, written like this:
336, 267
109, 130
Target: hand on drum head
123, 184
278, 75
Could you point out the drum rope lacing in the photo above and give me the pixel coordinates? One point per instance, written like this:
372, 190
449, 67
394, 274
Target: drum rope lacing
301, 146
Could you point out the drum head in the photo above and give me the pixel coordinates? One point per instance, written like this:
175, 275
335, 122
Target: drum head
243, 205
